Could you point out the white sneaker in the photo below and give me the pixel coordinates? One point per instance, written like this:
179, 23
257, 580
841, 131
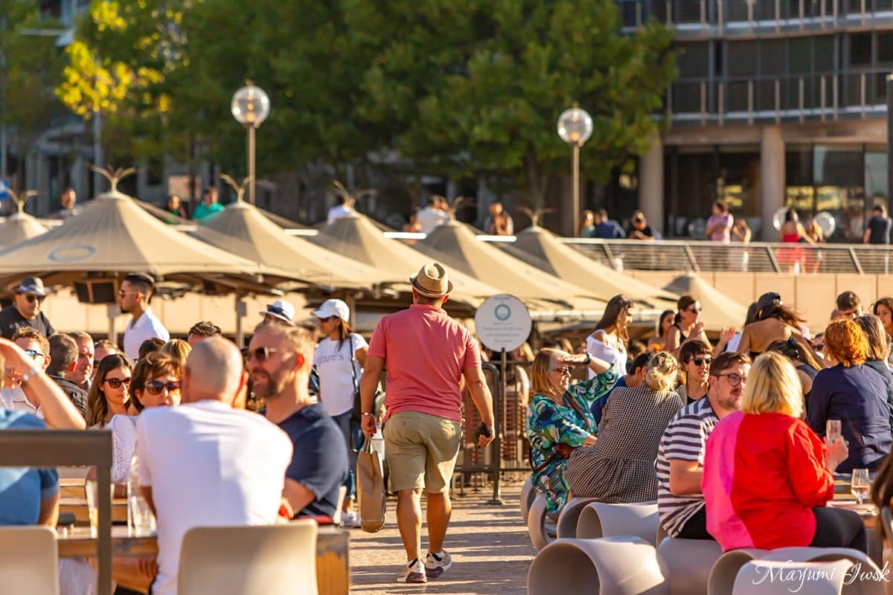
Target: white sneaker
350, 519
437, 564
413, 572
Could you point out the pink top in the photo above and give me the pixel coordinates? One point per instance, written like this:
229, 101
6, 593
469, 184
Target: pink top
723, 234
425, 353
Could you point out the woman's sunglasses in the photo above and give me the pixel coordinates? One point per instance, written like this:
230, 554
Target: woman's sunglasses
117, 382
155, 387
564, 370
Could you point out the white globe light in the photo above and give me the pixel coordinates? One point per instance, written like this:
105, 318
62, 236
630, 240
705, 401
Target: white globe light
575, 126
250, 106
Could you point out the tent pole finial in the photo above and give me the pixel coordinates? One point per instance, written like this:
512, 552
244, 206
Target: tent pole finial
239, 188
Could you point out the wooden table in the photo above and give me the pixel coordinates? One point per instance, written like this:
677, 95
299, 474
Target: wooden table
77, 505
332, 552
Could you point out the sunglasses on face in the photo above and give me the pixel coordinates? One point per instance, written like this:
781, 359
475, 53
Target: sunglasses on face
694, 310
261, 354
34, 298
734, 379
35, 354
117, 382
564, 370
700, 361
324, 319
155, 387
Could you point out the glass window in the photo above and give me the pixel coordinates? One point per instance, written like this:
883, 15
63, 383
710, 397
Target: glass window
840, 178
696, 181
800, 52
738, 179
876, 175
823, 53
693, 60
772, 57
860, 49
885, 47
742, 57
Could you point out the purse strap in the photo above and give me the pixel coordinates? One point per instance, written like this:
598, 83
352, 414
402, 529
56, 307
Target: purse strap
353, 368
573, 405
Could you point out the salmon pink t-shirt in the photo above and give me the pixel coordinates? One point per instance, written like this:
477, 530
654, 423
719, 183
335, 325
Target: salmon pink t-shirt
425, 353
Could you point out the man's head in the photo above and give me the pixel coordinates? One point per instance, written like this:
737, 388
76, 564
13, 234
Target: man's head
102, 348
880, 210
29, 297
695, 357
68, 198
849, 305
34, 344
728, 379
637, 369
211, 196
279, 360
86, 355
638, 220
201, 331
431, 286
135, 292
601, 216
63, 355
496, 208
213, 372
720, 208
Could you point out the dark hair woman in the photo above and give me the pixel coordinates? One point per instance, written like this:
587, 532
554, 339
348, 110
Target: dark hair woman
687, 326
110, 392
666, 320
609, 341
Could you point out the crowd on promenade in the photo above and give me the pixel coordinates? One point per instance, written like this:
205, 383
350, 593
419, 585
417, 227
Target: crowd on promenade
191, 418
738, 440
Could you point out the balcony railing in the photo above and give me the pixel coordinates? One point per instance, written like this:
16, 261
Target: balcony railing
744, 16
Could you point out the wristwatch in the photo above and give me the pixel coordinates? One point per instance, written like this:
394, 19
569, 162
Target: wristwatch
588, 359
30, 374
367, 413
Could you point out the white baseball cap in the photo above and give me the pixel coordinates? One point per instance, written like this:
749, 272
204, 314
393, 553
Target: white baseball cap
330, 308
280, 309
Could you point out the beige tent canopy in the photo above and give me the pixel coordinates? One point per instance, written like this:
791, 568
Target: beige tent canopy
718, 310
541, 248
355, 236
244, 230
18, 228
461, 250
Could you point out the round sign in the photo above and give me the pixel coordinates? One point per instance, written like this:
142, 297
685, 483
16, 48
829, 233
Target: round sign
503, 322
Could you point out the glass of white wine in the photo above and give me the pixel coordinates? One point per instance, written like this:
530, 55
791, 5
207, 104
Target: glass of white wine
860, 485
832, 430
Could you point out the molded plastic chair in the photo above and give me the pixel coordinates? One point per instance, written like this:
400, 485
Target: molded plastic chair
272, 559
773, 577
690, 562
29, 560
600, 519
528, 495
540, 527
570, 516
609, 566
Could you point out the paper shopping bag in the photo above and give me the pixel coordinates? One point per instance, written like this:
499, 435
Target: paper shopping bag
371, 496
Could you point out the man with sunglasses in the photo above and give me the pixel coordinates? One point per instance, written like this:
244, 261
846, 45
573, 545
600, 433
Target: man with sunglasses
136, 291
26, 310
695, 357
680, 457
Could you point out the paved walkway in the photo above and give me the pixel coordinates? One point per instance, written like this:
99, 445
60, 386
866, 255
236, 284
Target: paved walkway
489, 544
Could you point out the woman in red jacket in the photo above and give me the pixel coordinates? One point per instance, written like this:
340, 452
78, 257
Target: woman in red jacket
767, 476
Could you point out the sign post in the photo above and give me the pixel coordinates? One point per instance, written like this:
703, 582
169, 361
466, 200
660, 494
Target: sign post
503, 324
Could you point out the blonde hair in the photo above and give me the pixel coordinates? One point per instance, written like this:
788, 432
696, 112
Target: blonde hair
178, 350
661, 372
773, 387
540, 382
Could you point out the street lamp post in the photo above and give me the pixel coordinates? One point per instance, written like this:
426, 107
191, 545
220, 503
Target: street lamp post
250, 107
575, 128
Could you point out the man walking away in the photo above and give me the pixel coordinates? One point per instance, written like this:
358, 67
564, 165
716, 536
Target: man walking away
426, 355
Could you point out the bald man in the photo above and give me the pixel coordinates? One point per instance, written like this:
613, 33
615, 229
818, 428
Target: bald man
202, 470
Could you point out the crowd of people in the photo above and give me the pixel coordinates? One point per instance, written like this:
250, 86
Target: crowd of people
729, 437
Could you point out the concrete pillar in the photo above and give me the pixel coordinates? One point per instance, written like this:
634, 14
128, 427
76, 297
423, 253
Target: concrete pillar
772, 179
142, 181
651, 184
79, 178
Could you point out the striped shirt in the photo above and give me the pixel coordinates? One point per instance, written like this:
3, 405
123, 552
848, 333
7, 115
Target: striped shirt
684, 439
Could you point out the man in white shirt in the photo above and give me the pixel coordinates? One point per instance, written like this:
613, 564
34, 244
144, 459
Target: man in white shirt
198, 463
136, 291
342, 209
435, 214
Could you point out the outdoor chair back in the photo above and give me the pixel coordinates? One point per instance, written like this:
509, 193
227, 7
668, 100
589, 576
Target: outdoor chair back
29, 560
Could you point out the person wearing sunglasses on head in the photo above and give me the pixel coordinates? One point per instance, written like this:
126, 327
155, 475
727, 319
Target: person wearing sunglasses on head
687, 326
26, 310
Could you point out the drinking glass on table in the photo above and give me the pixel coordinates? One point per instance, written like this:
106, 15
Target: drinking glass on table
860, 485
91, 487
832, 430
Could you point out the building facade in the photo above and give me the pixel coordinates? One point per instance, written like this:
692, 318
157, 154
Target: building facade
778, 103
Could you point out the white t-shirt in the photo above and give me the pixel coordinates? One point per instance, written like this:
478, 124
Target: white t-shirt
603, 346
337, 212
429, 218
15, 399
335, 378
209, 466
147, 327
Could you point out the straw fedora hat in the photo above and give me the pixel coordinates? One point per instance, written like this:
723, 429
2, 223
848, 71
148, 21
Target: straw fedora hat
432, 281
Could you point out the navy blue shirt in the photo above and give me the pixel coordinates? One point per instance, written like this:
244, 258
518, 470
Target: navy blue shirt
857, 396
598, 405
320, 460
22, 489
609, 230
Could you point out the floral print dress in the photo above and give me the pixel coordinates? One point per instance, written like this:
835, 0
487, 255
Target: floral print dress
549, 424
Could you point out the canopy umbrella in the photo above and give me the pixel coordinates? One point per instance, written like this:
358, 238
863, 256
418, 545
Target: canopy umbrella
245, 230
718, 311
356, 237
18, 228
542, 249
112, 236
461, 249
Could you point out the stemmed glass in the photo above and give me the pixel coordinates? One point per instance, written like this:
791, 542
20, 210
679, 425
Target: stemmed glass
832, 430
860, 485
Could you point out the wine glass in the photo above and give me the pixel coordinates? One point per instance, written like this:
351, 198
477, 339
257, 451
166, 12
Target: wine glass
832, 430
860, 485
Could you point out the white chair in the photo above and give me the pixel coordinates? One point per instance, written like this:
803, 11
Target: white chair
540, 527
690, 562
609, 566
29, 560
570, 516
600, 519
272, 559
772, 577
528, 495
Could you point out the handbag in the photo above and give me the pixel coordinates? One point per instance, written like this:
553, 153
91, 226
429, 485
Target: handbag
377, 400
371, 495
